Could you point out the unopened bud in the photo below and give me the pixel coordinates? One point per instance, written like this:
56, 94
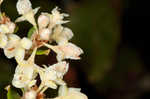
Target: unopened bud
23, 6
43, 21
26, 43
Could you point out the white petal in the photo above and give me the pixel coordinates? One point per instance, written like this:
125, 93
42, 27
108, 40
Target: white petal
69, 50
65, 36
11, 27
20, 19
50, 74
61, 67
3, 40
13, 38
30, 94
19, 54
57, 18
45, 34
23, 6
30, 17
10, 49
16, 83
4, 28
76, 95
60, 82
26, 43
74, 89
23, 75
57, 32
67, 33
31, 83
51, 84
36, 10
9, 53
63, 91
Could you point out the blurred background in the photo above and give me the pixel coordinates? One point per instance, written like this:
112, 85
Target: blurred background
114, 37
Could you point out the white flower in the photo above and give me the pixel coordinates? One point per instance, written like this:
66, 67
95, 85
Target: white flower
56, 18
24, 8
5, 29
62, 35
70, 93
66, 51
9, 27
16, 47
53, 75
25, 73
23, 76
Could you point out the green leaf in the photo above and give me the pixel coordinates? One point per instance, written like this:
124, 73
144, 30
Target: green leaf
43, 52
12, 94
31, 31
16, 29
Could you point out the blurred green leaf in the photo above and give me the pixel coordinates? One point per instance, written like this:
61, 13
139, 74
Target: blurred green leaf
43, 52
16, 29
11, 94
31, 31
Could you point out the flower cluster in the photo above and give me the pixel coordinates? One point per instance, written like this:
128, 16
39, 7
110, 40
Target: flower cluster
48, 29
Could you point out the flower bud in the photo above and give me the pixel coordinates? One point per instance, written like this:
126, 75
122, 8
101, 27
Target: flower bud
45, 34
19, 54
26, 43
43, 21
23, 6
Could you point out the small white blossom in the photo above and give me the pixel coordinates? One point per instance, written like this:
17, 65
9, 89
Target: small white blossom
16, 47
53, 75
23, 76
66, 51
70, 93
24, 8
56, 18
62, 34
25, 73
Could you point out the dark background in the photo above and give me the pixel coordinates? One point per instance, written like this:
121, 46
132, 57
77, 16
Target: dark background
114, 35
